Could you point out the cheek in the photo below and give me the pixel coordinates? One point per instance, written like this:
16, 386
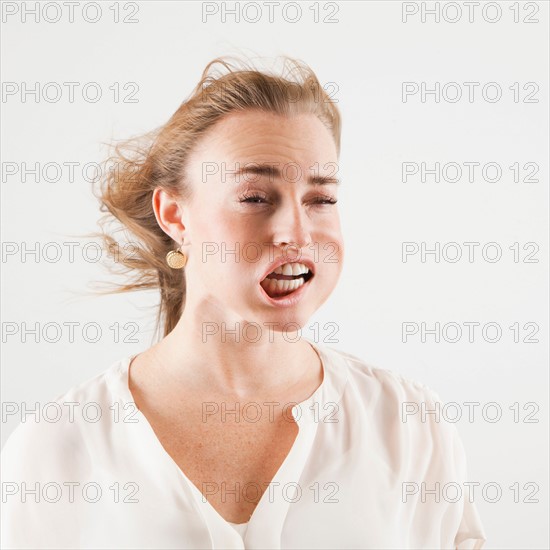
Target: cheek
224, 253
330, 242
216, 226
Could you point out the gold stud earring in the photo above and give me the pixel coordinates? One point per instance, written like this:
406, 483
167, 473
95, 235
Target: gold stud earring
176, 259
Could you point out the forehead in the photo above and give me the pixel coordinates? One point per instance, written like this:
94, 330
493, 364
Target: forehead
249, 135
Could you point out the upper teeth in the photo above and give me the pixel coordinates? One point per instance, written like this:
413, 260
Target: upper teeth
291, 269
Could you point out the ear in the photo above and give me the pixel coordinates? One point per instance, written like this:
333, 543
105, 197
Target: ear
168, 213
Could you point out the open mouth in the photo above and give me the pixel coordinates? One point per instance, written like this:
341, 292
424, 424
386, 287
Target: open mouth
286, 279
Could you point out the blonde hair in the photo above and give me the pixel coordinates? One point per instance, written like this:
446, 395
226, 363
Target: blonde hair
158, 159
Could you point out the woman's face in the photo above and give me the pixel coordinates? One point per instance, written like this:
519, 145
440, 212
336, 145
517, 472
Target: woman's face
240, 226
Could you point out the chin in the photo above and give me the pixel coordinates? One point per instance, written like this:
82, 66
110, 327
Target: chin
286, 319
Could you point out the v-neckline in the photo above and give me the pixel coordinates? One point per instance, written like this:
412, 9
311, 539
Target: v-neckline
289, 470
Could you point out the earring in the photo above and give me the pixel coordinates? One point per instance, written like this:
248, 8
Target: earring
176, 259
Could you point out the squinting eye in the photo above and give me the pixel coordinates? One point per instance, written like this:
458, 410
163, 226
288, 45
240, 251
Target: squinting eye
325, 201
254, 199
257, 199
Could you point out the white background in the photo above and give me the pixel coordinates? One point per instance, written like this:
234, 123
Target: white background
368, 52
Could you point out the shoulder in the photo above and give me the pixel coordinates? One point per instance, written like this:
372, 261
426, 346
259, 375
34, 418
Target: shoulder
54, 436
365, 375
397, 406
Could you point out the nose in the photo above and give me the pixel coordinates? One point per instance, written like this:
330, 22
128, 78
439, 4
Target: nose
292, 227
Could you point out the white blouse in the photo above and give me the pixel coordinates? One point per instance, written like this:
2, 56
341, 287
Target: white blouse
241, 528
94, 475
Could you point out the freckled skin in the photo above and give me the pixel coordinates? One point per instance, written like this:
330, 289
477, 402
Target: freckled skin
173, 380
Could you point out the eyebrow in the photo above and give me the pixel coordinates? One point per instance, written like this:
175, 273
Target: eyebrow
274, 172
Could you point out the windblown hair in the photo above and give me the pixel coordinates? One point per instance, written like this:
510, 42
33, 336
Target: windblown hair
158, 159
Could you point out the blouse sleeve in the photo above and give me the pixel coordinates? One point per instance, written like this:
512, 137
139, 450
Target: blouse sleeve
37, 460
470, 534
467, 532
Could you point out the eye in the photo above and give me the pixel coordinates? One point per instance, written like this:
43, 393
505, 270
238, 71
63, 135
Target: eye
254, 199
325, 200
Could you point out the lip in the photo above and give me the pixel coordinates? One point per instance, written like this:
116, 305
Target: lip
290, 299
308, 262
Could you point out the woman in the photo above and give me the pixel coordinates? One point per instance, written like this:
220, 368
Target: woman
233, 431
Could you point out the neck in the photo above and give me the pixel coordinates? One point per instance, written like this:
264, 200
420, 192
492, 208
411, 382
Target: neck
233, 356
